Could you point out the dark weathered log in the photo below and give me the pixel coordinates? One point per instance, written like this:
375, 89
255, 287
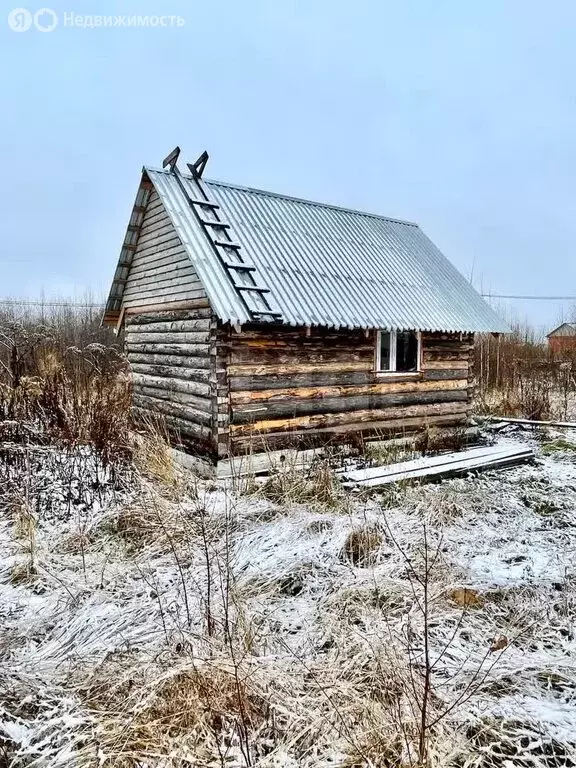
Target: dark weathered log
276, 381
447, 346
455, 355
293, 356
456, 373
182, 315
429, 337
255, 412
272, 334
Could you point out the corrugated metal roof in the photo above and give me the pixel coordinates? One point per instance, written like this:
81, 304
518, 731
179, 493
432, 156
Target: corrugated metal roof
326, 265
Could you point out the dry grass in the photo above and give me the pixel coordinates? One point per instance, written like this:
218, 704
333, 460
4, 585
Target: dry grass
362, 545
291, 485
201, 709
65, 377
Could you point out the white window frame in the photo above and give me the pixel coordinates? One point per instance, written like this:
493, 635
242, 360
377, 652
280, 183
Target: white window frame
392, 370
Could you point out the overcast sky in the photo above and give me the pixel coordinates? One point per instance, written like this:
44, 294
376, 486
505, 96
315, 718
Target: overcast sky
460, 116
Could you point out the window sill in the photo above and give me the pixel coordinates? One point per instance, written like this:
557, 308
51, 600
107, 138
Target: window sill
399, 374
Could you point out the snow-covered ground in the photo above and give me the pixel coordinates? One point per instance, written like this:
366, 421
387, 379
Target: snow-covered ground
189, 625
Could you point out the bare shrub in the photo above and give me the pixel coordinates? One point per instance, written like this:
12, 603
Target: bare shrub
518, 375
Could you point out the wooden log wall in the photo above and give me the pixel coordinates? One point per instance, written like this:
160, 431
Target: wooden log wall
170, 354
284, 386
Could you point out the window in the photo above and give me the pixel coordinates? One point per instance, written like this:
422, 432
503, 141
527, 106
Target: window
398, 351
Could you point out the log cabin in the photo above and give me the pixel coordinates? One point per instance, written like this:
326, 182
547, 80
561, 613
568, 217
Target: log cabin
257, 321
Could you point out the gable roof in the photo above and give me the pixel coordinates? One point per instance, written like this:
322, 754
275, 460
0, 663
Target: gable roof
570, 329
322, 264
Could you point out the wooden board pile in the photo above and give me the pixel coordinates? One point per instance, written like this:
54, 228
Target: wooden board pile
445, 465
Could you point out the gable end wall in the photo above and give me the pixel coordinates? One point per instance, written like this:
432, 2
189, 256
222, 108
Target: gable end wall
161, 271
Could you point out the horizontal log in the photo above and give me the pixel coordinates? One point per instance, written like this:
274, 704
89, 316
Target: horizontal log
164, 306
447, 346
162, 283
170, 384
181, 426
428, 336
162, 243
180, 291
456, 356
164, 229
182, 271
329, 406
142, 337
192, 350
265, 340
154, 204
174, 326
443, 365
316, 437
320, 378
280, 330
153, 300
192, 403
287, 370
197, 377
183, 316
169, 360
314, 393
170, 408
334, 420
275, 381
164, 258
305, 354
450, 373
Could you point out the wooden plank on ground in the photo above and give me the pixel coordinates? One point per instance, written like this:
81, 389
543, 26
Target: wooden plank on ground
450, 463
532, 422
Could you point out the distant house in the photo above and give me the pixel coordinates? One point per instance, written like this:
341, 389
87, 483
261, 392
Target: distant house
562, 339
257, 320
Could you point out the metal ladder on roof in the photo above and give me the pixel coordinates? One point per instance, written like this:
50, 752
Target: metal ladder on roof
254, 297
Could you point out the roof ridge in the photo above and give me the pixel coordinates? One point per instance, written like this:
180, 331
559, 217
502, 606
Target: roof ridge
317, 203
